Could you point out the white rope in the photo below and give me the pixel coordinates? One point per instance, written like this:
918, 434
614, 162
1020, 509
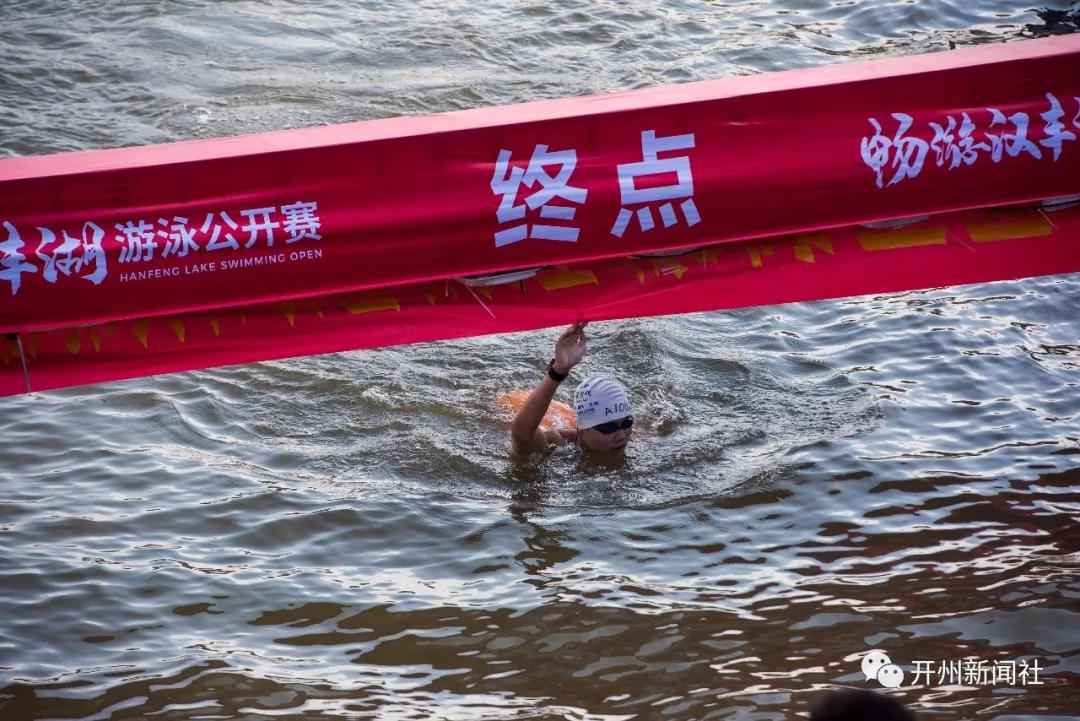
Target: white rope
474, 295
22, 357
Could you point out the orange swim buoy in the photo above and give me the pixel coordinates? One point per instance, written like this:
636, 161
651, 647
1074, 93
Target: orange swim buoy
559, 415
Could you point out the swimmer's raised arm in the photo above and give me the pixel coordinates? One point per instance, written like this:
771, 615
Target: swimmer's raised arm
525, 430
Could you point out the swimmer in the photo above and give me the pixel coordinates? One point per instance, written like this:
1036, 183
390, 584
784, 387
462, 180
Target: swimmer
602, 418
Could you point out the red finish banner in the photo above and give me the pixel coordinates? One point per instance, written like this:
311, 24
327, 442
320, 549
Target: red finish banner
957, 248
239, 227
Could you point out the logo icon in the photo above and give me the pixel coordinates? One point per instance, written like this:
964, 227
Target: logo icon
876, 664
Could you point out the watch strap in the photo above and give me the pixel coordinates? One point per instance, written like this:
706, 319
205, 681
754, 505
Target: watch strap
554, 374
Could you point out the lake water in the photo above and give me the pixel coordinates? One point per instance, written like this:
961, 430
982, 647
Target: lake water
346, 536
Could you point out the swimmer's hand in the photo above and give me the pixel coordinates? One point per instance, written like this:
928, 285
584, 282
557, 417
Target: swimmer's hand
570, 347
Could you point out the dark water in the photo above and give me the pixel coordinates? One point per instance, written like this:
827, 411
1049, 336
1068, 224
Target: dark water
346, 536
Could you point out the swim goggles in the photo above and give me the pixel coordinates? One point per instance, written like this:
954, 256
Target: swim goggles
612, 426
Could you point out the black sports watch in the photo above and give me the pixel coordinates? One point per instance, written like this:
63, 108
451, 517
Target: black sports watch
554, 374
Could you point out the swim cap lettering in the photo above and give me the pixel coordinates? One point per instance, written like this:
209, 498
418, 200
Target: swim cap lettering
598, 400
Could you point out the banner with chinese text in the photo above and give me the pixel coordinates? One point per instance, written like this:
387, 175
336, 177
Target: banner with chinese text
157, 237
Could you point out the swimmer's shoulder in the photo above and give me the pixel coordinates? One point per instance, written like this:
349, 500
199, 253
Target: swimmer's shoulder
545, 438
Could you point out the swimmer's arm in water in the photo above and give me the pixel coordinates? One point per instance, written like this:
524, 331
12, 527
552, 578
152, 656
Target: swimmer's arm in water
525, 430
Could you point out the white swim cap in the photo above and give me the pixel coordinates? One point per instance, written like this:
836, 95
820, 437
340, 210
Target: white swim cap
599, 400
